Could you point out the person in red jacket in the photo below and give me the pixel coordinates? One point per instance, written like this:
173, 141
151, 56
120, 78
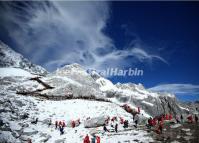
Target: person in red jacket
98, 139
63, 124
170, 117
73, 124
190, 119
138, 110
154, 121
150, 122
60, 123
86, 139
121, 120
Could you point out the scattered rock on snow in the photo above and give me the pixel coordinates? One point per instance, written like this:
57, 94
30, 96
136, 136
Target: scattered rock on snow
95, 122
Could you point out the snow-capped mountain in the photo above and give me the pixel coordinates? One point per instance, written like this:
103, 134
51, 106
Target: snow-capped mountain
70, 93
9, 58
152, 103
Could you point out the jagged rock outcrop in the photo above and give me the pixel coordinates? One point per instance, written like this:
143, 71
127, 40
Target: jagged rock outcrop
9, 58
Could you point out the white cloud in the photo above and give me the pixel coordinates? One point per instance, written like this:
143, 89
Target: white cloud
178, 89
57, 33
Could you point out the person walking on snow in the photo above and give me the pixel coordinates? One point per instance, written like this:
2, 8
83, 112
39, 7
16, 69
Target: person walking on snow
60, 123
105, 129
190, 119
56, 124
63, 124
136, 120
93, 139
181, 118
98, 139
73, 124
196, 118
61, 128
49, 122
177, 119
116, 127
160, 128
86, 139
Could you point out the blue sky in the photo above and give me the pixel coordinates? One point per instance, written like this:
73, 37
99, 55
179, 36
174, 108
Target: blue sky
159, 37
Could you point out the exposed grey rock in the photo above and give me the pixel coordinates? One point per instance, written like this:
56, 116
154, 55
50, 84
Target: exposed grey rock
95, 122
29, 132
24, 116
9, 58
60, 141
46, 138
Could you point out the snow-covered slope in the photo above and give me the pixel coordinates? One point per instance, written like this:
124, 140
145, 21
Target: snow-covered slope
10, 58
17, 113
17, 78
151, 103
14, 72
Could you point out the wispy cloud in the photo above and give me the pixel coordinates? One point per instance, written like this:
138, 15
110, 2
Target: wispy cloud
178, 89
57, 33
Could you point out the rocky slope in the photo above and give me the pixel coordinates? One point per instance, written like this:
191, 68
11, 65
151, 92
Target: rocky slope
9, 58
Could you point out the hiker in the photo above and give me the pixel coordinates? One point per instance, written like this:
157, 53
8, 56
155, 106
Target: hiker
98, 139
170, 117
61, 129
160, 128
107, 120
49, 123
93, 139
86, 139
150, 122
73, 124
190, 119
181, 118
177, 119
60, 123
196, 118
78, 121
105, 129
121, 120
138, 110
63, 124
126, 124
116, 127
154, 121
166, 117
56, 124
136, 120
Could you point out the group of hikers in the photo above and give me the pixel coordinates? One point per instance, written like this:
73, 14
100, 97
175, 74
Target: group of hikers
156, 122
94, 139
61, 125
159, 121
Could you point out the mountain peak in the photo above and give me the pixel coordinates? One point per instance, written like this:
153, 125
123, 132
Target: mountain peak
10, 58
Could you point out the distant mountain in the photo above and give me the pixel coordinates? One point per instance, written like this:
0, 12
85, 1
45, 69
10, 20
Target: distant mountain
10, 58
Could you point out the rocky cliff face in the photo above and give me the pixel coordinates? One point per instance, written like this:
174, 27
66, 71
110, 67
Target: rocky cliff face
9, 58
